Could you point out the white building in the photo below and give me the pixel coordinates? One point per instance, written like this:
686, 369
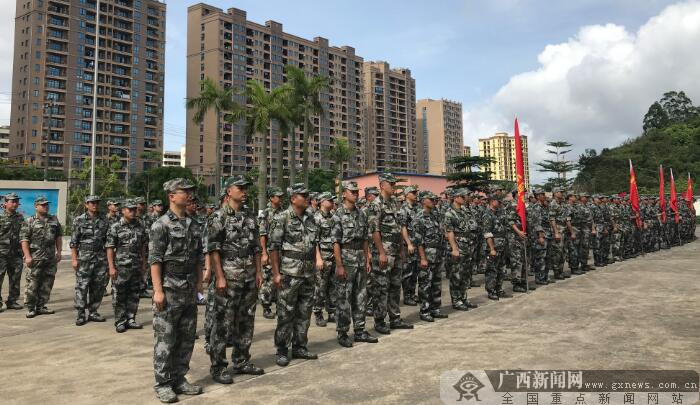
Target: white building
4, 142
174, 158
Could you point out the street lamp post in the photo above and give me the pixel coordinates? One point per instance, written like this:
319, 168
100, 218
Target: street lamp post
48, 105
94, 99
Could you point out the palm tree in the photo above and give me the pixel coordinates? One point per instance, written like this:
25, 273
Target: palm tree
340, 154
213, 97
287, 119
307, 92
263, 107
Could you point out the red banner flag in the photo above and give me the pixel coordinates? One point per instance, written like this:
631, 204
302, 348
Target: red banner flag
689, 191
634, 197
520, 173
662, 199
674, 201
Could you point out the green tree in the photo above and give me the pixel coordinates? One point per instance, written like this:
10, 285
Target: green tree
107, 184
307, 96
655, 118
471, 171
149, 184
213, 97
339, 154
677, 106
321, 180
559, 165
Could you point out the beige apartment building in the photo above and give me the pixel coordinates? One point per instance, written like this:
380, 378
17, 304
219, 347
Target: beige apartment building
230, 49
53, 79
501, 148
390, 119
440, 136
466, 151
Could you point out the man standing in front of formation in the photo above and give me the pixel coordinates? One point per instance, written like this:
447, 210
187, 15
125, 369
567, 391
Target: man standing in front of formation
10, 251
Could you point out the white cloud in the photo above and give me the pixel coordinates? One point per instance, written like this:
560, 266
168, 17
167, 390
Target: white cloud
594, 89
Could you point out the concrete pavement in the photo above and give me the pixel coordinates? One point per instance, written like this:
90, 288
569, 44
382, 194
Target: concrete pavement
641, 313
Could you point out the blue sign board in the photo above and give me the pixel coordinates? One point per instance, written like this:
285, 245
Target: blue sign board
27, 196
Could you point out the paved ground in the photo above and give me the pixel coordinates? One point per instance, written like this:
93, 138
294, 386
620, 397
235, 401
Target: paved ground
641, 313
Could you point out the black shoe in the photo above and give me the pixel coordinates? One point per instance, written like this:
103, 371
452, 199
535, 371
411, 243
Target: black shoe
409, 302
460, 306
538, 282
165, 394
577, 272
470, 305
493, 296
519, 288
303, 354
426, 318
331, 318
121, 328
96, 317
344, 340
201, 301
14, 305
503, 294
31, 313
249, 368
282, 359
80, 321
532, 287
267, 313
438, 315
184, 387
364, 336
221, 375
559, 277
382, 328
320, 321
551, 281
45, 311
565, 275
369, 312
400, 324
132, 324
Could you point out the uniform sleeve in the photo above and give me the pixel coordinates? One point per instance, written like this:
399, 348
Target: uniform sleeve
551, 213
158, 243
488, 224
213, 233
59, 229
373, 217
112, 237
418, 231
257, 249
448, 221
337, 230
276, 232
263, 224
25, 232
75, 237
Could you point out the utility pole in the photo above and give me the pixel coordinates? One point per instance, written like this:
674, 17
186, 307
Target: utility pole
94, 100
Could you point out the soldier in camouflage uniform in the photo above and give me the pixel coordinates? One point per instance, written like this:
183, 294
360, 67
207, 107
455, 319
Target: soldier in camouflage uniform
387, 232
157, 210
460, 228
89, 261
233, 246
146, 221
494, 228
198, 224
323, 294
627, 223
127, 246
352, 265
443, 207
293, 252
517, 242
616, 215
41, 240
371, 194
429, 240
540, 214
558, 218
113, 214
409, 210
176, 260
601, 232
10, 251
583, 219
267, 293
573, 228
209, 279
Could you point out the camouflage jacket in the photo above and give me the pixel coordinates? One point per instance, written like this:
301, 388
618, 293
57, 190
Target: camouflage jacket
616, 215
599, 215
559, 213
463, 223
534, 223
349, 228
265, 220
582, 216
112, 219
89, 236
235, 236
10, 225
543, 215
296, 239
494, 227
427, 233
129, 241
41, 234
324, 223
383, 216
174, 242
408, 213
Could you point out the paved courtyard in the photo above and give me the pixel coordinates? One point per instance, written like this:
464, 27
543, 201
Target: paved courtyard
638, 314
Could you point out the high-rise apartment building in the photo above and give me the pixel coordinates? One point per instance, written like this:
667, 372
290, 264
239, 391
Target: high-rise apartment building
439, 125
390, 119
54, 78
228, 48
501, 148
4, 142
466, 150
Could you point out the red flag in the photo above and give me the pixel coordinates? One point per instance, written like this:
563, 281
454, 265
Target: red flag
689, 191
634, 197
662, 200
520, 173
674, 200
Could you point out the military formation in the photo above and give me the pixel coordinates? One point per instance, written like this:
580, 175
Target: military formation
342, 259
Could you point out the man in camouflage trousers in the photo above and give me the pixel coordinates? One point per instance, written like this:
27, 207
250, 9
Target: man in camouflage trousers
573, 229
127, 248
89, 260
387, 232
616, 215
517, 242
146, 220
582, 218
371, 194
41, 240
558, 218
10, 250
293, 252
176, 260
233, 246
352, 265
602, 231
409, 210
429, 239
268, 293
460, 228
540, 244
495, 235
323, 294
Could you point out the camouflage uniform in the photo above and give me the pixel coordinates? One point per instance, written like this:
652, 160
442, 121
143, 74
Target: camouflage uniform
428, 234
129, 241
582, 218
267, 293
295, 239
540, 217
41, 234
573, 240
323, 294
88, 238
410, 267
371, 284
234, 234
627, 222
465, 227
494, 227
350, 231
601, 227
556, 251
174, 245
10, 253
616, 216
516, 245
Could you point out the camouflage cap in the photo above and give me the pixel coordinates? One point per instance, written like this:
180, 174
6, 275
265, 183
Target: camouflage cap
41, 200
615, 197
494, 196
156, 202
426, 194
371, 190
569, 193
350, 185
388, 177
11, 196
537, 191
113, 201
297, 188
274, 191
129, 204
211, 206
179, 183
557, 190
362, 201
92, 198
313, 195
460, 192
410, 189
326, 197
239, 181
139, 200
584, 194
